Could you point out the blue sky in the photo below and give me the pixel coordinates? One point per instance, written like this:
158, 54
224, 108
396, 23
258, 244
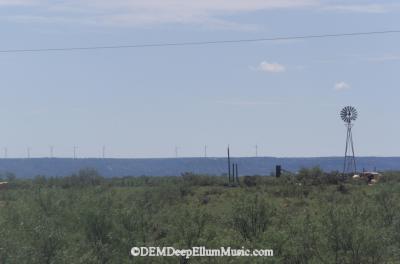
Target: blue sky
284, 96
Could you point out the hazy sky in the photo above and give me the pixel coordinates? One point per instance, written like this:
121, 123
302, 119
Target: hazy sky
284, 96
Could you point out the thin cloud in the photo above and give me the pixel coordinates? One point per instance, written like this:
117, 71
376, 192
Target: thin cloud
211, 13
360, 58
383, 58
271, 67
139, 12
247, 103
367, 8
341, 86
19, 2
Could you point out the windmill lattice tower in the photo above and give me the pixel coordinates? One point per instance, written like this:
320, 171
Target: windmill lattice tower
349, 115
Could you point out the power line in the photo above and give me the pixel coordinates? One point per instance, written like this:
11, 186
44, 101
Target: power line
201, 43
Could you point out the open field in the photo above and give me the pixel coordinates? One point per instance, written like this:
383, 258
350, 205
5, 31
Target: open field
308, 218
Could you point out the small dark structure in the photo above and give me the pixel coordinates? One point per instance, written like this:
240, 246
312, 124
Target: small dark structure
278, 171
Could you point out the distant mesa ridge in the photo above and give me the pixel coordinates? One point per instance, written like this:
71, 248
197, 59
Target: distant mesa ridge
28, 168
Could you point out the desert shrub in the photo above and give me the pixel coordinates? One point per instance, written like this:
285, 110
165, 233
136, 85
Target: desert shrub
251, 216
316, 176
250, 181
84, 178
89, 219
201, 180
352, 232
390, 177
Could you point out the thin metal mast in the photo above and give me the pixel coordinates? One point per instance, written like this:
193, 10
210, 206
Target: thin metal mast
229, 166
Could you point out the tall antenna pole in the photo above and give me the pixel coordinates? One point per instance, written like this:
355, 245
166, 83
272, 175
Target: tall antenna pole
28, 152
75, 148
205, 151
229, 165
176, 152
237, 173
103, 154
256, 150
51, 152
233, 173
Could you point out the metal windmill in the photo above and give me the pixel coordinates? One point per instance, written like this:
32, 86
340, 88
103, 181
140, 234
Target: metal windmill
349, 115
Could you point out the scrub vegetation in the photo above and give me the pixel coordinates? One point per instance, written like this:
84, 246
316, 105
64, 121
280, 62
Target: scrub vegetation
310, 217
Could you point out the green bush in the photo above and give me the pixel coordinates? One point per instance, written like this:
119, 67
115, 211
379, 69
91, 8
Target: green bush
310, 217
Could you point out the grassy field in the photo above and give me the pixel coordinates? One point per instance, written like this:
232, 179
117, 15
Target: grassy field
312, 217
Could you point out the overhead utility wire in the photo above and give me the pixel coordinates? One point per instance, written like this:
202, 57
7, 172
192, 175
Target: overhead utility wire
199, 43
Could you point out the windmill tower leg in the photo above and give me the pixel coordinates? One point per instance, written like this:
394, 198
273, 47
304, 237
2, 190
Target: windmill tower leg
346, 150
353, 155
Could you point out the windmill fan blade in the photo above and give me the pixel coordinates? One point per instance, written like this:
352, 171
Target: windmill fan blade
355, 114
348, 114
